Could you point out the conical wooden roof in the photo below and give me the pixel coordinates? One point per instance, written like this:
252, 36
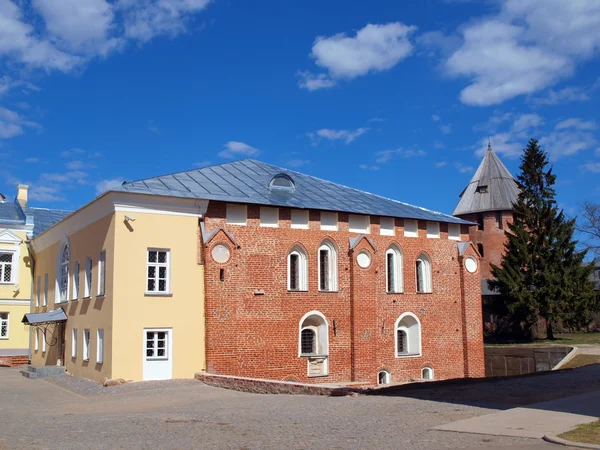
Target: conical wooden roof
492, 188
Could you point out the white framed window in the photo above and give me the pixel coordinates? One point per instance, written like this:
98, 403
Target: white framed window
427, 373
394, 269
433, 230
102, 273
327, 262
100, 346
88, 278
384, 377
269, 217
7, 263
407, 332
329, 221
157, 345
454, 231
313, 343
38, 294
236, 214
411, 228
36, 346
359, 223
43, 332
86, 344
4, 325
297, 269
386, 226
45, 299
62, 276
299, 219
74, 343
158, 268
423, 273
75, 291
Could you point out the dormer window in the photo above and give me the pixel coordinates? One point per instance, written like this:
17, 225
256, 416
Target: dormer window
282, 181
482, 189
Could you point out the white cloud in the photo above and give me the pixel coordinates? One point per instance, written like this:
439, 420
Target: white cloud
78, 165
376, 119
106, 185
367, 167
436, 42
578, 124
462, 168
32, 160
524, 48
297, 162
374, 48
13, 124
565, 95
72, 152
203, 163
592, 167
526, 122
441, 164
314, 82
336, 135
8, 84
446, 129
567, 141
435, 118
386, 155
43, 193
235, 149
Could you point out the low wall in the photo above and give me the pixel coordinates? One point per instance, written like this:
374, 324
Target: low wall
521, 360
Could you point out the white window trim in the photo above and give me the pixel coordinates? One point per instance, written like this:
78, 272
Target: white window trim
408, 337
333, 266
45, 299
76, 276
427, 276
38, 288
168, 349
301, 214
388, 377
74, 343
398, 269
267, 214
329, 227
387, 231
364, 225
7, 321
234, 212
100, 346
431, 370
410, 233
86, 344
87, 288
168, 265
44, 340
36, 345
102, 273
454, 226
302, 269
433, 230
59, 263
14, 265
323, 342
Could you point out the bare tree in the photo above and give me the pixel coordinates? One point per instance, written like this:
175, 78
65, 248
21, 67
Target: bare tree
589, 226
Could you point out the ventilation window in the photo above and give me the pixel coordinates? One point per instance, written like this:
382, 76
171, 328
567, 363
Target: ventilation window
282, 181
499, 220
480, 221
383, 377
482, 189
427, 373
221, 274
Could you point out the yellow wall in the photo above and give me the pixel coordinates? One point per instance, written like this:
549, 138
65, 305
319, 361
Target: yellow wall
91, 313
134, 311
17, 304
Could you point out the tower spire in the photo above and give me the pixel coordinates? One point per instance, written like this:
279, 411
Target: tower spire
489, 145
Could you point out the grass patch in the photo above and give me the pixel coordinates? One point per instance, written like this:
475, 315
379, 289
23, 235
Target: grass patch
561, 339
588, 434
582, 360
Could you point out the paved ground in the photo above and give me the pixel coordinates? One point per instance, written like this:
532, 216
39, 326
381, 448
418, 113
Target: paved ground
71, 413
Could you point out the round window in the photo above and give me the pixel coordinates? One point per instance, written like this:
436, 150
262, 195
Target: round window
363, 259
220, 253
471, 264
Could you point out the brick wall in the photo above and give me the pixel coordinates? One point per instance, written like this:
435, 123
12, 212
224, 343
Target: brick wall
257, 335
492, 237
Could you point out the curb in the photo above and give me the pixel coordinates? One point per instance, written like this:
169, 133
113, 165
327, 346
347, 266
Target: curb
559, 441
569, 356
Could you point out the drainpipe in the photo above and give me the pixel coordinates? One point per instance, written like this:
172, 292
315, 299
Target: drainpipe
32, 264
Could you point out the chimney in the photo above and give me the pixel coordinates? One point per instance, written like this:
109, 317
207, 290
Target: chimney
22, 194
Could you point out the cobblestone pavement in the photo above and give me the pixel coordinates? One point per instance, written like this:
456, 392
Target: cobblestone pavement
72, 413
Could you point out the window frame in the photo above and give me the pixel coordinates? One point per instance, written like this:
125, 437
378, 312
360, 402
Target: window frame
299, 219
157, 265
410, 337
321, 335
167, 347
302, 269
36, 343
332, 268
74, 338
397, 255
269, 217
100, 346
38, 288
359, 223
86, 344
451, 235
410, 232
45, 298
76, 276
102, 274
427, 278
13, 264
63, 276
5, 322
88, 278
433, 230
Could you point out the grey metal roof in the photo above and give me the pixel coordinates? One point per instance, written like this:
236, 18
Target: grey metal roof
44, 218
13, 214
247, 181
501, 193
56, 315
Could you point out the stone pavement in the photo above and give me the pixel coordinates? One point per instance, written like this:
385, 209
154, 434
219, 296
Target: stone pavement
547, 418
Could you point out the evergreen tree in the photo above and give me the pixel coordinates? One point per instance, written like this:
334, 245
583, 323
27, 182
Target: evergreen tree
541, 274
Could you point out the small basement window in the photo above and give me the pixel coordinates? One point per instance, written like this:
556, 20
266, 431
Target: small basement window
427, 373
383, 377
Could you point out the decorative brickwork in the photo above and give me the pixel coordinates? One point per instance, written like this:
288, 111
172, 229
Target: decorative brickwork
252, 320
10, 361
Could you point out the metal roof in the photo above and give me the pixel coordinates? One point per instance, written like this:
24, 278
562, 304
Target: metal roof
492, 188
17, 215
56, 315
248, 181
11, 213
44, 218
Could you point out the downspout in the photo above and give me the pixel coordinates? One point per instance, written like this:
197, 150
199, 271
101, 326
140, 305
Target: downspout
463, 307
352, 317
32, 267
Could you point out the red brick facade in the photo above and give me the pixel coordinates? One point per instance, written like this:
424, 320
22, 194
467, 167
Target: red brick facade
252, 320
491, 238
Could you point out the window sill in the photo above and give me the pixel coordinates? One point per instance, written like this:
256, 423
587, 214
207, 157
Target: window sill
424, 292
328, 292
7, 283
311, 355
408, 355
318, 376
100, 295
3, 338
395, 293
89, 297
158, 294
74, 299
61, 302
297, 290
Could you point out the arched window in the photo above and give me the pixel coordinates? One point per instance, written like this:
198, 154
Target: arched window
282, 181
423, 271
427, 373
63, 273
393, 272
383, 377
297, 270
314, 338
327, 266
407, 331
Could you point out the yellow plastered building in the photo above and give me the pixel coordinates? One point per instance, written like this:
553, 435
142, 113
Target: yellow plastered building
125, 270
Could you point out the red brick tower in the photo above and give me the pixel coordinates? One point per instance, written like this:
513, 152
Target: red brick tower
488, 200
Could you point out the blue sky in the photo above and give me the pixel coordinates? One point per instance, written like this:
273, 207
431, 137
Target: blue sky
395, 98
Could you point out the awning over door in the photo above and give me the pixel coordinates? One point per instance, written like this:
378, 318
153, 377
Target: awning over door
57, 315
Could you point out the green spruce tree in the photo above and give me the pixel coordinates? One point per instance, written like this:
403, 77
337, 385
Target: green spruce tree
541, 274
